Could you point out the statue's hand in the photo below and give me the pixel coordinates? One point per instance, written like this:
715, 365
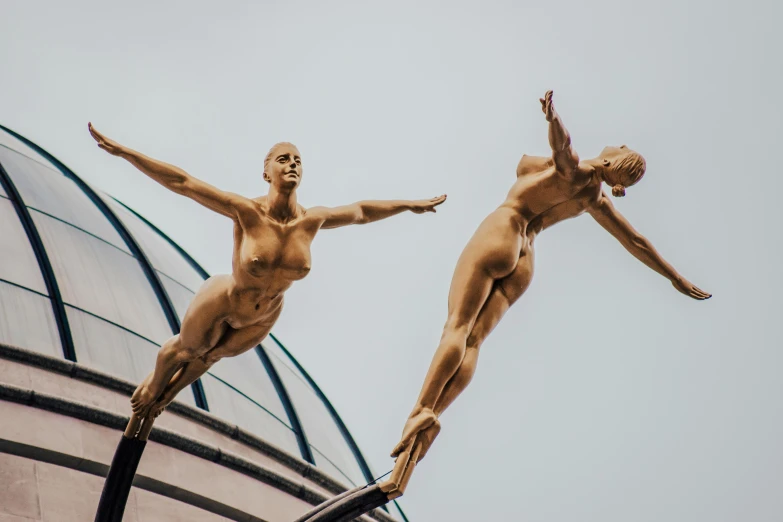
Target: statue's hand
686, 287
427, 205
110, 146
547, 107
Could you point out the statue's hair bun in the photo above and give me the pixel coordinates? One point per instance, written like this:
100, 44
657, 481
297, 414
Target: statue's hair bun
618, 191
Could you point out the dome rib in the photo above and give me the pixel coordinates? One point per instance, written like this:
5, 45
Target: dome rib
138, 253
47, 272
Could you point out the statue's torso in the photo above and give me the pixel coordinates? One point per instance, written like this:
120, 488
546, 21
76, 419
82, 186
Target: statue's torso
268, 257
541, 196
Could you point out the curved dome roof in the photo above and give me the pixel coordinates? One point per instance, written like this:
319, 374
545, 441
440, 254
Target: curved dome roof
84, 277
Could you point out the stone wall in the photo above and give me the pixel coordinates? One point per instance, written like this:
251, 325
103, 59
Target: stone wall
61, 424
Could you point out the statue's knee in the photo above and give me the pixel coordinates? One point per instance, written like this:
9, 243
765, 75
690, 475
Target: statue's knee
167, 353
474, 340
177, 353
184, 357
209, 358
455, 339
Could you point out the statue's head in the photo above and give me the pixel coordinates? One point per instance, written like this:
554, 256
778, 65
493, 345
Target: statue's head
621, 168
283, 166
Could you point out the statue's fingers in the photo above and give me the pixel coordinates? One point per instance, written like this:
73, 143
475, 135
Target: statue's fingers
92, 130
698, 294
96, 134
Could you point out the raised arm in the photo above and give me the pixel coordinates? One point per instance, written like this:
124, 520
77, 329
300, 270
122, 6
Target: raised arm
566, 159
369, 211
174, 178
640, 247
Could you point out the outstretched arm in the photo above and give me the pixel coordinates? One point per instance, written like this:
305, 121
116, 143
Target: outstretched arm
174, 178
566, 159
369, 211
608, 217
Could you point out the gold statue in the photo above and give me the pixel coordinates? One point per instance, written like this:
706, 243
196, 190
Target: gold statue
232, 313
496, 268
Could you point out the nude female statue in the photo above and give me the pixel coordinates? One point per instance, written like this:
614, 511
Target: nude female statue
496, 268
232, 313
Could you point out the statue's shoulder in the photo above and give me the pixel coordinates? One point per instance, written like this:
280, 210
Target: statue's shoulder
533, 164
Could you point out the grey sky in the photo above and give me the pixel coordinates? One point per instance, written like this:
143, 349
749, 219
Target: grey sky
604, 395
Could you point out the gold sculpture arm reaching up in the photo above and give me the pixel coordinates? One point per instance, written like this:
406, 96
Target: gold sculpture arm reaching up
174, 178
566, 159
369, 211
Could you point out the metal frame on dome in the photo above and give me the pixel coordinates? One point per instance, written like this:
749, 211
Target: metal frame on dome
133, 246
47, 272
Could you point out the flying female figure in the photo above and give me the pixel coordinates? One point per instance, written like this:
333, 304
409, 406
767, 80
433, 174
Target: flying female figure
496, 268
233, 313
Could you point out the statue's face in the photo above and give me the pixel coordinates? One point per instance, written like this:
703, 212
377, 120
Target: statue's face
610, 155
284, 169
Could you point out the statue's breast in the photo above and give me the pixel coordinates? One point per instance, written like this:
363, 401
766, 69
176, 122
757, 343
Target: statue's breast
265, 250
533, 165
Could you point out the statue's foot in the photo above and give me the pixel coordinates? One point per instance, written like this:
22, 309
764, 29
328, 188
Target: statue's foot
427, 437
161, 404
142, 400
156, 409
416, 423
407, 459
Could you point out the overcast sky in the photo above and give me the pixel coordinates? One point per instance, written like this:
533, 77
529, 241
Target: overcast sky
604, 395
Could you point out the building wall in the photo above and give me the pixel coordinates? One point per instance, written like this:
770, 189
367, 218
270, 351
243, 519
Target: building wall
61, 424
36, 491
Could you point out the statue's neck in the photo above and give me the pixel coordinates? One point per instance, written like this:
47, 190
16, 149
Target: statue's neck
282, 205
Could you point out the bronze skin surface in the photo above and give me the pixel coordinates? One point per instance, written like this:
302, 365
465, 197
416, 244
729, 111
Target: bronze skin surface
232, 313
496, 268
